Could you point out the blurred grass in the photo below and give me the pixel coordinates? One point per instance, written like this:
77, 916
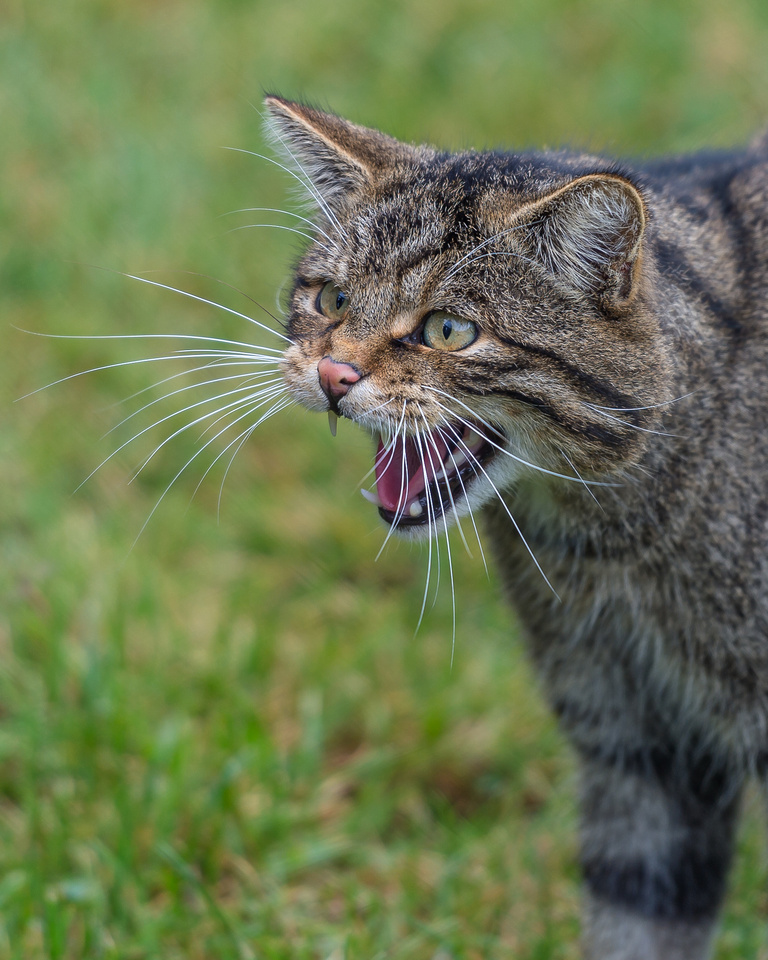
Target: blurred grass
225, 742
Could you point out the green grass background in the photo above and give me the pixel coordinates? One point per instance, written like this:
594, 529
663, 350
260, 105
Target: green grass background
226, 741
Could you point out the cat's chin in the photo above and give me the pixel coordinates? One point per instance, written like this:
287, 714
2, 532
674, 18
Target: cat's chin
442, 472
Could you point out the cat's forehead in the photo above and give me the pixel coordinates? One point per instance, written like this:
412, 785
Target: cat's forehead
399, 221
444, 203
402, 234
396, 244
401, 231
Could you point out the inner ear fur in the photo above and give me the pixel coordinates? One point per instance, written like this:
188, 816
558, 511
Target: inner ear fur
588, 234
336, 156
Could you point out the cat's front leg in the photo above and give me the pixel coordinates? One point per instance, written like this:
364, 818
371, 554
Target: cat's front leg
613, 933
657, 837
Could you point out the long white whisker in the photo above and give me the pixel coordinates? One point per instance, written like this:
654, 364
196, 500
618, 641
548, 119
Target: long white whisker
501, 449
246, 404
423, 441
256, 399
572, 465
215, 363
210, 303
388, 449
229, 286
404, 478
288, 213
247, 385
263, 393
282, 226
128, 363
309, 182
472, 458
452, 429
492, 253
609, 416
303, 180
380, 434
388, 454
429, 441
249, 347
99, 369
244, 355
260, 397
242, 437
280, 405
650, 406
245, 436
484, 243
430, 541
157, 423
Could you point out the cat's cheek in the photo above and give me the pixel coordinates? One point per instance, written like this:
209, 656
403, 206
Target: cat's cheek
302, 381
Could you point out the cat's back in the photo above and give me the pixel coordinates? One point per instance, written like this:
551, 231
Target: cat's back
710, 224
707, 261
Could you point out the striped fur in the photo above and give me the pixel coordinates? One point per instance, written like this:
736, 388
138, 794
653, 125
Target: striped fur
609, 405
621, 934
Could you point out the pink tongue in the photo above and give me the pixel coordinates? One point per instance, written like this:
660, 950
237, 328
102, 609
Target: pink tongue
400, 476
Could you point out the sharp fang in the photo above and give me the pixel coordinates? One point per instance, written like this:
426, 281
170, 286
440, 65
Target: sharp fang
371, 497
415, 509
332, 421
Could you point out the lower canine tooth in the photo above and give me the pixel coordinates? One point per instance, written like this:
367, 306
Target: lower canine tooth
415, 509
473, 441
459, 459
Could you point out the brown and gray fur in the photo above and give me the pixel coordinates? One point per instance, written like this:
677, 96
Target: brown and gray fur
621, 314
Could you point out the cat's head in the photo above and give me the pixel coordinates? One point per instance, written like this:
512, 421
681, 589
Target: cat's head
482, 314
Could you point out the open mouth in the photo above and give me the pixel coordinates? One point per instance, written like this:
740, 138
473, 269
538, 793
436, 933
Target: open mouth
420, 478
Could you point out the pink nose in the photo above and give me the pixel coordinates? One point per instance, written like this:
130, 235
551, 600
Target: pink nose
336, 378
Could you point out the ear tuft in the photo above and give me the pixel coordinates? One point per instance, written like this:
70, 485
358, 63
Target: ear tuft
589, 233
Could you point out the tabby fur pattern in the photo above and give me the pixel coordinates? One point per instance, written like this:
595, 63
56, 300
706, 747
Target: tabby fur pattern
601, 395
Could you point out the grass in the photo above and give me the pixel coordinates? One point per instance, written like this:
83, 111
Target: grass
225, 741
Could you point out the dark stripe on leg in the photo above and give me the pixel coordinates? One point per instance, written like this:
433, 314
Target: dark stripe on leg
659, 839
687, 885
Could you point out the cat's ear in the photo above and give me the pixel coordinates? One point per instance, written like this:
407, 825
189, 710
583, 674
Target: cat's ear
589, 235
336, 157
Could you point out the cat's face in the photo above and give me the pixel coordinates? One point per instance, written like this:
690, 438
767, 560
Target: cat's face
482, 321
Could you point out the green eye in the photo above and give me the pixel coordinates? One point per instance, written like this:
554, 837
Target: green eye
441, 331
332, 301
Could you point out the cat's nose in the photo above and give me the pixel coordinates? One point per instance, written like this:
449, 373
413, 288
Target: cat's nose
336, 378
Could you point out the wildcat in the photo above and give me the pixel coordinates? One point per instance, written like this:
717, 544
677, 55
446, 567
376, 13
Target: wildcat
578, 349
